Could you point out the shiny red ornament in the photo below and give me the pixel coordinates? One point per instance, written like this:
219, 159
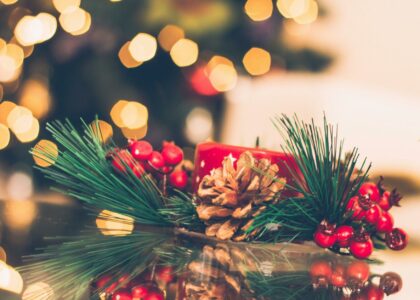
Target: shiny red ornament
343, 235
154, 295
359, 271
165, 274
374, 292
385, 222
397, 239
372, 215
178, 179
156, 160
141, 150
140, 291
361, 246
354, 206
369, 190
122, 294
172, 155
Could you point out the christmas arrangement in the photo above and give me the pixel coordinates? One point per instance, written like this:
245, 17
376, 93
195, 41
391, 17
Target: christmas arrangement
312, 191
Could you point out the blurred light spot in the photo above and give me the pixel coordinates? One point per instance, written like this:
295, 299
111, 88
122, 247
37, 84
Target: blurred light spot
1, 92
111, 223
32, 30
66, 5
200, 82
135, 134
74, 21
292, 8
45, 153
27, 50
11, 59
4, 136
10, 279
126, 58
31, 134
184, 53
143, 47
38, 291
169, 35
8, 2
102, 130
116, 112
86, 25
257, 61
218, 60
19, 215
19, 119
310, 15
5, 108
3, 255
49, 26
36, 97
19, 186
134, 115
222, 73
259, 10
198, 125
114, 1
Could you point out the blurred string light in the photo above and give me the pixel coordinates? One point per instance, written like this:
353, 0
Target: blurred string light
126, 58
4, 136
143, 47
36, 97
222, 73
19, 215
38, 291
5, 108
184, 52
102, 130
27, 50
259, 10
257, 61
75, 21
19, 119
19, 186
111, 223
31, 30
63, 6
10, 279
198, 125
131, 117
45, 153
302, 11
11, 60
169, 35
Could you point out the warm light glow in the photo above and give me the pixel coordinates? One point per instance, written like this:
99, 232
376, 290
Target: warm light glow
222, 73
36, 97
19, 119
292, 8
135, 134
10, 279
49, 26
27, 50
8, 2
45, 153
4, 136
5, 108
19, 186
11, 59
66, 5
38, 291
16, 53
116, 112
73, 21
111, 223
310, 15
134, 115
198, 125
102, 130
32, 30
19, 215
3, 255
200, 82
1, 92
169, 35
259, 10
143, 47
86, 25
31, 134
126, 58
257, 61
184, 53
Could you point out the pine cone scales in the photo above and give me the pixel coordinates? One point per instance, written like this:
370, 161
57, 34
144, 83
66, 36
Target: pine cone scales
230, 198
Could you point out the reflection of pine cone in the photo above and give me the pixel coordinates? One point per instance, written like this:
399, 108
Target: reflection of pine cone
230, 198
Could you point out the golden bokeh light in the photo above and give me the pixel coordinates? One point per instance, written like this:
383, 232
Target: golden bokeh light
63, 6
259, 10
19, 186
86, 25
45, 153
10, 279
5, 108
74, 21
310, 15
11, 60
31, 30
184, 52
19, 119
36, 97
134, 115
19, 215
218, 60
38, 291
3, 255
111, 223
292, 8
169, 35
116, 112
135, 134
143, 47
49, 26
198, 125
222, 73
257, 61
102, 130
126, 58
27, 50
29, 135
4, 136
8, 2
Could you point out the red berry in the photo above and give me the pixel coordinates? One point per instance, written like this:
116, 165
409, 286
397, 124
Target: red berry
359, 271
343, 234
370, 190
165, 274
122, 294
141, 150
105, 281
385, 222
324, 240
361, 248
140, 291
338, 278
138, 170
178, 179
373, 292
372, 214
154, 295
156, 160
384, 202
172, 155
354, 206
320, 268
397, 239
120, 159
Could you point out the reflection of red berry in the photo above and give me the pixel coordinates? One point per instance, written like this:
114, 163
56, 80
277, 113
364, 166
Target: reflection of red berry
397, 239
373, 292
343, 234
385, 222
178, 179
358, 270
122, 294
172, 155
154, 295
156, 160
141, 150
140, 291
361, 246
390, 283
338, 278
320, 268
165, 274
372, 214
370, 190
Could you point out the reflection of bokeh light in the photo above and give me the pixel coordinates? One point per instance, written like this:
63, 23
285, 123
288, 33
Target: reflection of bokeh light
200, 82
31, 30
126, 58
19, 215
259, 10
292, 8
257, 61
10, 279
135, 134
3, 255
222, 74
19, 119
198, 125
134, 115
116, 112
4, 136
66, 5
184, 52
169, 35
143, 47
310, 15
5, 108
19, 186
36, 97
102, 130
111, 223
31, 134
45, 153
74, 21
38, 291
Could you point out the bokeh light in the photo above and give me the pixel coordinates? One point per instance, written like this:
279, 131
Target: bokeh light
8, 2
36, 97
257, 61
5, 108
31, 134
38, 291
116, 112
19, 119
31, 30
143, 47
200, 82
18, 215
126, 58
310, 15
169, 35
75, 21
259, 10
4, 136
102, 130
184, 52
198, 125
3, 255
292, 8
19, 186
10, 279
45, 153
134, 115
63, 6
11, 59
135, 134
111, 223
222, 73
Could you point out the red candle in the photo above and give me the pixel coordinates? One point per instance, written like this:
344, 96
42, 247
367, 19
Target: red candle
209, 156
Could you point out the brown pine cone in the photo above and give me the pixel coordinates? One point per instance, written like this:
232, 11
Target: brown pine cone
229, 198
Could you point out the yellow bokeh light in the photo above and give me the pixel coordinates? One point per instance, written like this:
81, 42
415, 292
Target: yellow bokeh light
19, 186
49, 26
111, 223
86, 25
134, 115
63, 6
143, 47
27, 50
184, 53
19, 119
5, 108
38, 291
36, 97
29, 30
72, 21
10, 279
222, 73
218, 60
135, 134
45, 153
8, 2
310, 15
19, 214
31, 134
102, 130
257, 61
259, 10
116, 112
169, 35
125, 57
292, 8
11, 60
3, 255
4, 136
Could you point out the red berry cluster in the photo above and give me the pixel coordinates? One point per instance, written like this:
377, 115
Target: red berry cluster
369, 214
140, 157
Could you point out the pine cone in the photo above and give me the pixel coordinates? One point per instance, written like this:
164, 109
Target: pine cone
230, 198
